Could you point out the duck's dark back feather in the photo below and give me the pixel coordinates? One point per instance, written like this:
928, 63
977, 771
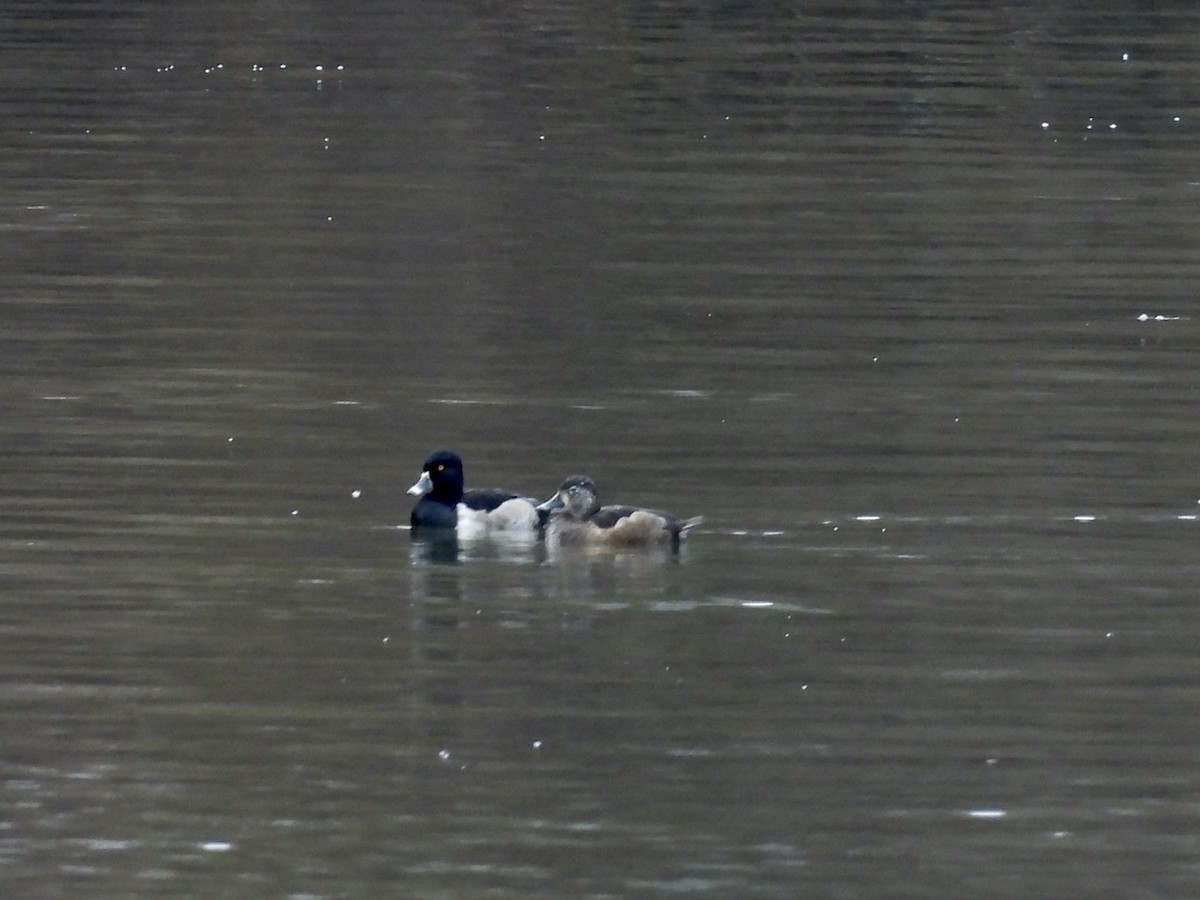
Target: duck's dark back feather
608, 516
487, 499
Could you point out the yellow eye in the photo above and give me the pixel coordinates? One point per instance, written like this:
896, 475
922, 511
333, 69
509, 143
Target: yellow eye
440, 467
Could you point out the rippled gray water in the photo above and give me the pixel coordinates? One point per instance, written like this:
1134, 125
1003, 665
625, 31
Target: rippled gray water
899, 297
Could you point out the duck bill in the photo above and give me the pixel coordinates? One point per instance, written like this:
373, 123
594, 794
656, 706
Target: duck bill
423, 486
555, 502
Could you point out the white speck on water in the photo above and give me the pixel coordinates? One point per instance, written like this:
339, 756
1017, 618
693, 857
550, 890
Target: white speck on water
772, 533
217, 846
355, 494
757, 604
1085, 518
1125, 57
1108, 634
1045, 125
444, 755
866, 518
986, 813
1113, 126
536, 745
295, 512
386, 639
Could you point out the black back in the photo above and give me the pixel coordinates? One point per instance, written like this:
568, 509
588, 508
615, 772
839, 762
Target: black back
608, 516
487, 499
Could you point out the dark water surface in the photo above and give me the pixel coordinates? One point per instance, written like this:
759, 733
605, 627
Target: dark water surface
900, 297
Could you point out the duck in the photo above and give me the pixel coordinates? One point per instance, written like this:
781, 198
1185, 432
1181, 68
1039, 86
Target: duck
576, 518
443, 503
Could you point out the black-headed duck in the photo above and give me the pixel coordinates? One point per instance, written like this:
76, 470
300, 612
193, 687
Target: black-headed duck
577, 519
444, 504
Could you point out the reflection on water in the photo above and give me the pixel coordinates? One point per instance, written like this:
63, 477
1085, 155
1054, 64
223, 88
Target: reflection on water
446, 547
899, 300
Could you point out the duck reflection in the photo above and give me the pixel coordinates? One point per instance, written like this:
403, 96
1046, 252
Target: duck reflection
445, 546
438, 546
